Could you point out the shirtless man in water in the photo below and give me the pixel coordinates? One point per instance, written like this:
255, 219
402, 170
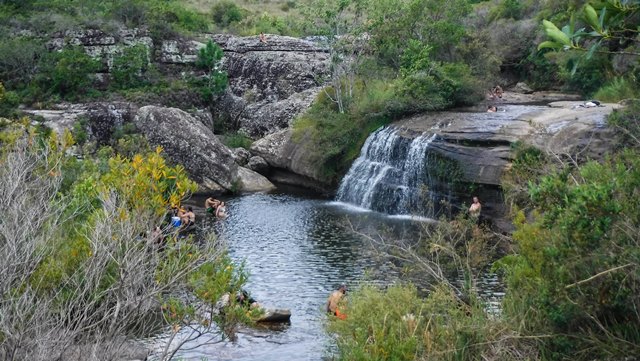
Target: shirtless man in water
334, 299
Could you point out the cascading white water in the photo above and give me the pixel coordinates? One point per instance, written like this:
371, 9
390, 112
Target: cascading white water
390, 175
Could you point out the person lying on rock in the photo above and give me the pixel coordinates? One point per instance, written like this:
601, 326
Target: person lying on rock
211, 205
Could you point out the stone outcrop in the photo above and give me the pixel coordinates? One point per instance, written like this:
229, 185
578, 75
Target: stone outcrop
105, 118
258, 164
60, 118
292, 163
269, 83
189, 143
481, 143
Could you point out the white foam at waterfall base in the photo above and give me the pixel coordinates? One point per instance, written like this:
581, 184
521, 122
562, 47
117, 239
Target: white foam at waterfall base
388, 174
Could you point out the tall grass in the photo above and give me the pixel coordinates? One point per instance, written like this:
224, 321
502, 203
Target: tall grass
618, 89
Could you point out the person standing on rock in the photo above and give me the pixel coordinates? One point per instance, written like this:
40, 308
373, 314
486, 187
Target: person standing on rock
474, 210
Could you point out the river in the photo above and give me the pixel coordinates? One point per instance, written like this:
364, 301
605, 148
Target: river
297, 248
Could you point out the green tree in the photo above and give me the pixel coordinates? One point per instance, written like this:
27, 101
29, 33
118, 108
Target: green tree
215, 79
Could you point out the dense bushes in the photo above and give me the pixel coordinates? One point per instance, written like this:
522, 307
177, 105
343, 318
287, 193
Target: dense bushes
397, 324
129, 68
67, 73
81, 257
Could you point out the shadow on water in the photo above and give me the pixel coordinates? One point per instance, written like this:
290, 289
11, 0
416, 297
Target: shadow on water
297, 249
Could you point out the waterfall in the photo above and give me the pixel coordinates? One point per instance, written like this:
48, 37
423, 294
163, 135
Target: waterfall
390, 175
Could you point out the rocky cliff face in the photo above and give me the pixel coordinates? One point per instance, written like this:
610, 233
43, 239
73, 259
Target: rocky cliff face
269, 82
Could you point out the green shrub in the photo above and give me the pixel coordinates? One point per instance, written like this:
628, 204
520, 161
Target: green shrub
538, 71
396, 324
510, 9
587, 75
68, 72
19, 60
130, 13
618, 89
575, 271
130, 67
215, 80
226, 12
237, 140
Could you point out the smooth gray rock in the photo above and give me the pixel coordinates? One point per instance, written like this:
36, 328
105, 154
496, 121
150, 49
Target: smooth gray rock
62, 117
187, 142
258, 164
280, 151
481, 142
251, 181
523, 88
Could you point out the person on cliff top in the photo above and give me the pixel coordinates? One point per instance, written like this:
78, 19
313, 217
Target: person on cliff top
334, 301
211, 205
474, 210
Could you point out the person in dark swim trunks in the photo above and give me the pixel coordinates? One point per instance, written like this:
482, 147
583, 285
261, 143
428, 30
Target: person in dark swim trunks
211, 205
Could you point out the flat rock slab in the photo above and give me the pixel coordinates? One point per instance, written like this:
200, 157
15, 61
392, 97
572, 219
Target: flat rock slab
481, 142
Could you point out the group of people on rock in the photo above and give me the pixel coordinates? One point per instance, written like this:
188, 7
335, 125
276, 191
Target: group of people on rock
216, 207
183, 218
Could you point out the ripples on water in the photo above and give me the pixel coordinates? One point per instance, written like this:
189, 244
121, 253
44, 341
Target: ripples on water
296, 251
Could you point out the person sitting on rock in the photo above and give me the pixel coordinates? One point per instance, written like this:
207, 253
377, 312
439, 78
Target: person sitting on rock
211, 205
188, 218
221, 211
245, 300
495, 93
263, 38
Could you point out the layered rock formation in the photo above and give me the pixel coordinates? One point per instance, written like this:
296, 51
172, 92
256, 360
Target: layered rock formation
269, 82
480, 144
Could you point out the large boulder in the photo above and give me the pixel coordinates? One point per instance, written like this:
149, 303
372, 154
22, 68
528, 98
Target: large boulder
251, 181
292, 162
187, 142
